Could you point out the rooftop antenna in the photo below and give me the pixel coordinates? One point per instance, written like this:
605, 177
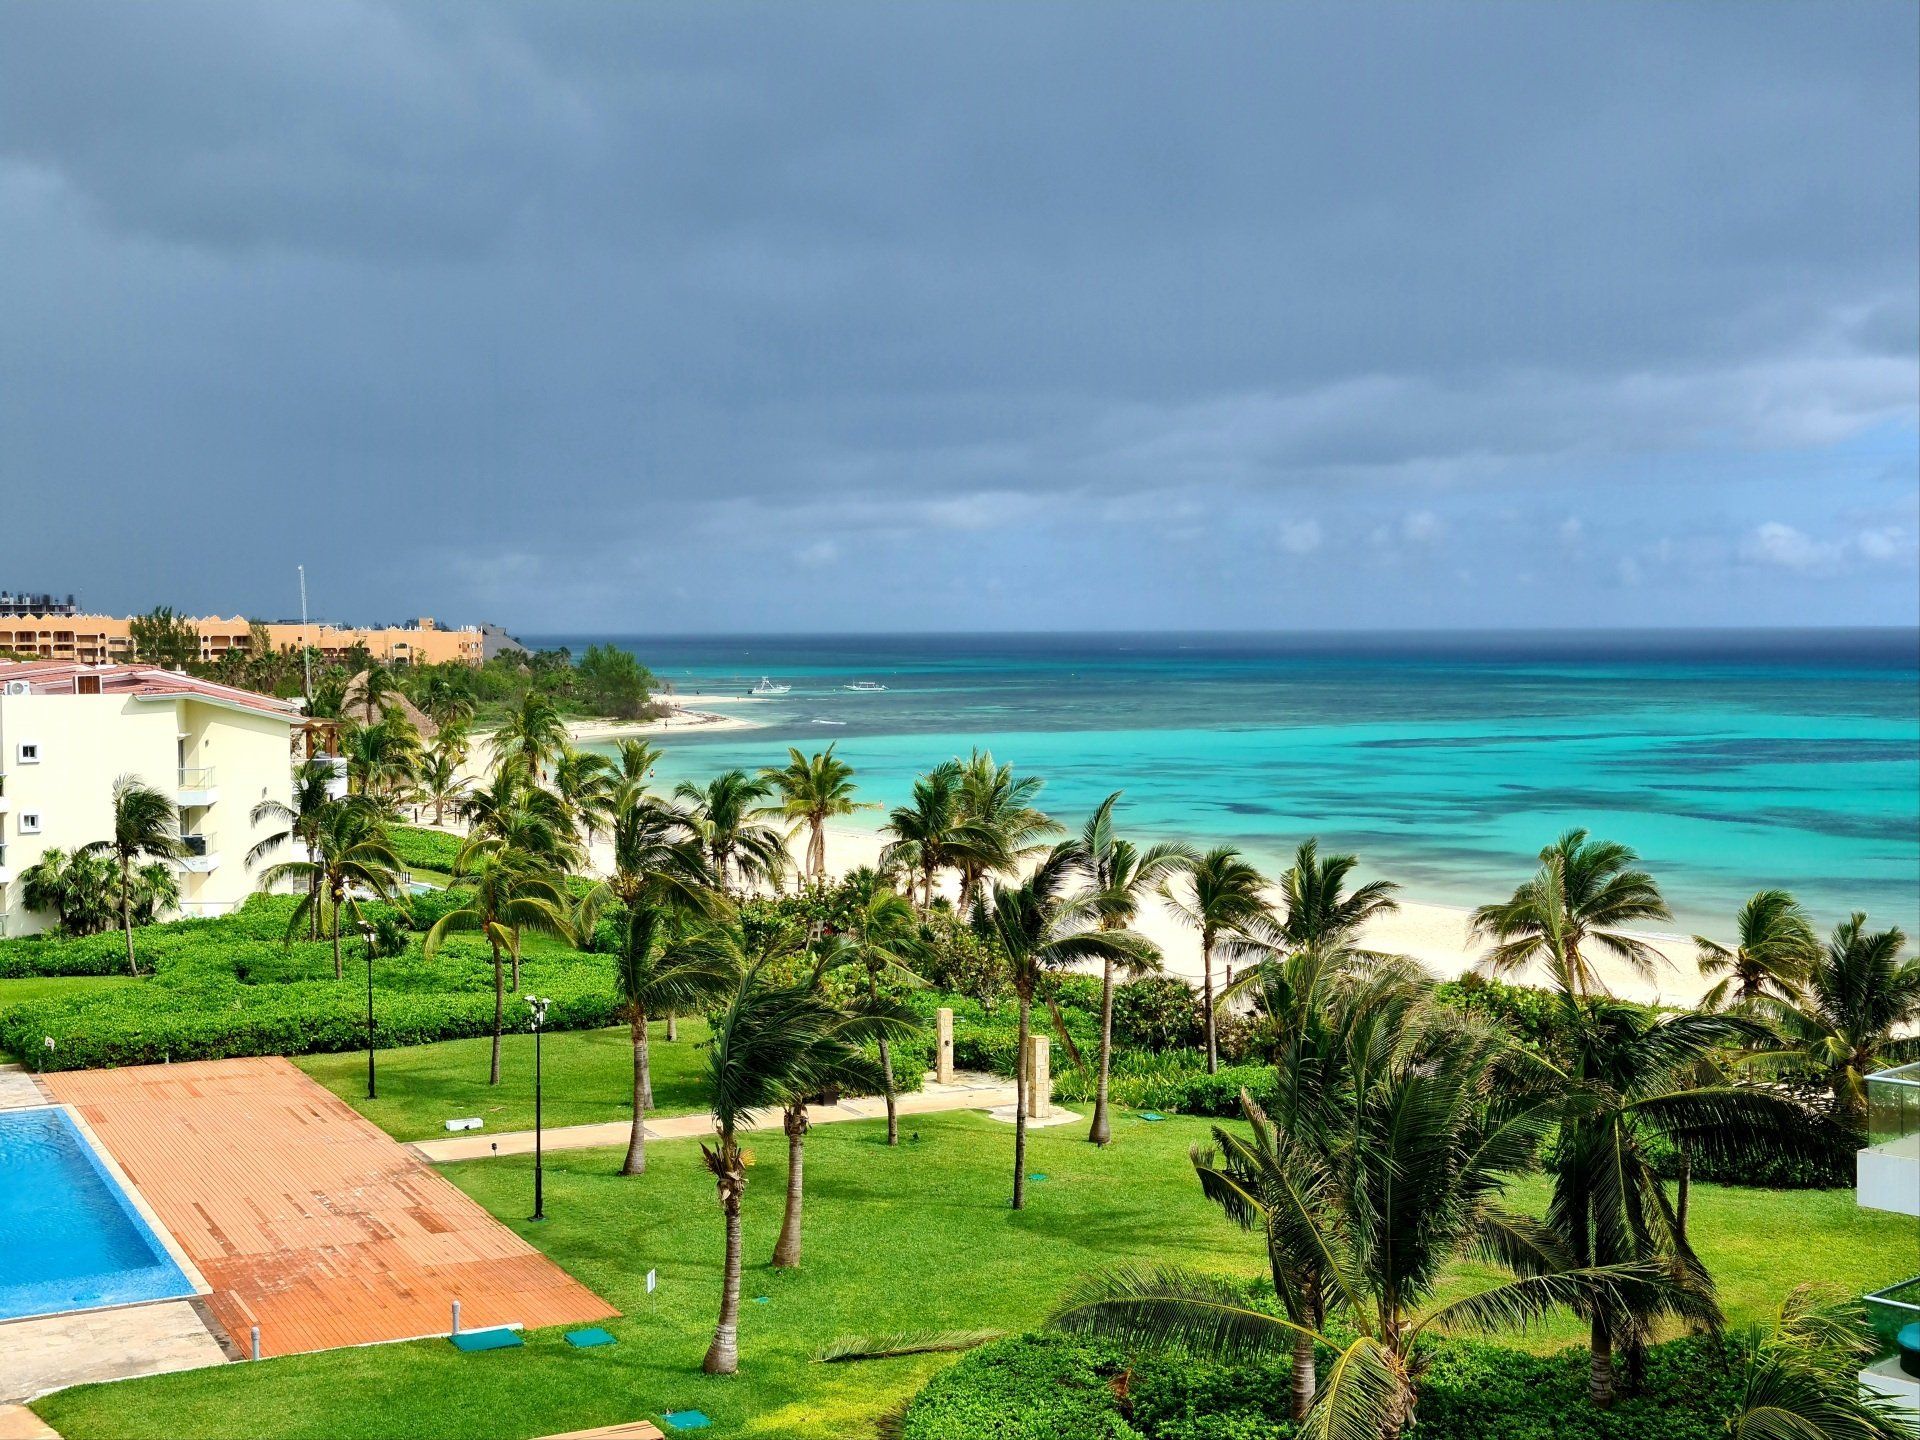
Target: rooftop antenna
306, 644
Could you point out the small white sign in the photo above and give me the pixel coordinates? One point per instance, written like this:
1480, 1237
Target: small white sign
653, 1279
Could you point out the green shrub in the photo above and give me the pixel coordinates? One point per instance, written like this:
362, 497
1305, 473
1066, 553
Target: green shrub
1158, 1012
1033, 1387
421, 849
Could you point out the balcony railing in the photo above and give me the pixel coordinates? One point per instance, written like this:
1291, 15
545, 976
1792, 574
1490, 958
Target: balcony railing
1891, 1310
197, 844
196, 777
1889, 1166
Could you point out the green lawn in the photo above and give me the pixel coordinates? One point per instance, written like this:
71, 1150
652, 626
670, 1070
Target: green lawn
910, 1238
58, 987
587, 1077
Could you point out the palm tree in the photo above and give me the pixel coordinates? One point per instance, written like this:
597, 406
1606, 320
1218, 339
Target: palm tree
1585, 891
156, 890
375, 688
1041, 928
885, 937
586, 785
1776, 947
836, 1060
442, 782
507, 893
146, 826
1225, 902
813, 789
78, 889
1859, 996
383, 759
1802, 1379
348, 852
932, 833
1407, 1178
635, 762
1115, 867
1315, 908
298, 822
445, 702
996, 804
760, 1056
722, 812
529, 821
532, 736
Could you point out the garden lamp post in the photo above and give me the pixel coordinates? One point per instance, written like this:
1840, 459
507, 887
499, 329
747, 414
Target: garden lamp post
366, 939
539, 1008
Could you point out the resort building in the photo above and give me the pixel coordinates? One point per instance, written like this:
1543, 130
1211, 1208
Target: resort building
1888, 1174
108, 639
68, 731
21, 602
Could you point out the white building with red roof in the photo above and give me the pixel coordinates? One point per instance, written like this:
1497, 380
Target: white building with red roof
68, 731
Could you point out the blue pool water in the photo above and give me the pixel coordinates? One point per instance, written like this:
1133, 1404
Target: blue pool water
69, 1237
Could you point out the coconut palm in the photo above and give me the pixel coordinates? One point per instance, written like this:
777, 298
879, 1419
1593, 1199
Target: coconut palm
723, 812
835, 1061
299, 822
812, 790
156, 890
760, 1056
508, 893
77, 889
932, 833
146, 826
1408, 1179
884, 936
1123, 872
1580, 899
531, 736
1802, 1378
346, 854
445, 701
1775, 948
1223, 898
383, 758
1316, 909
586, 785
996, 803
373, 689
1857, 1006
441, 782
635, 762
1043, 927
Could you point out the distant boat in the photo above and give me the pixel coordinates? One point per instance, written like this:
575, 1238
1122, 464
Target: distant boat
865, 687
822, 720
767, 687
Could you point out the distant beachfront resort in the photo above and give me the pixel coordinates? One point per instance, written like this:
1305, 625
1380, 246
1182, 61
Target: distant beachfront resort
412, 1031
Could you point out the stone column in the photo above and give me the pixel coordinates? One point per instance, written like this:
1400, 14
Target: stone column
1039, 1077
943, 1053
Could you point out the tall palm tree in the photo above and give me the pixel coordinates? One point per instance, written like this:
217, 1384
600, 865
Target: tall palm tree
836, 1060
348, 853
374, 689
812, 790
1223, 898
1123, 872
441, 782
1859, 996
527, 820
531, 736
884, 935
1580, 899
760, 1056
999, 805
299, 822
383, 758
1775, 948
586, 785
1316, 909
445, 701
1042, 927
723, 812
508, 893
1409, 1179
635, 762
146, 826
927, 829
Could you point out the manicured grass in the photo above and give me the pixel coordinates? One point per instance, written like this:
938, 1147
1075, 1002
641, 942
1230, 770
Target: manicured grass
913, 1238
58, 987
587, 1078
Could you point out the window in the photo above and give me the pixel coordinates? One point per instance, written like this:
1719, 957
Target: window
29, 752
29, 822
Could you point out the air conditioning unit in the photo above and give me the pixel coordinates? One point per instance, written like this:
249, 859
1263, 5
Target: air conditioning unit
19, 687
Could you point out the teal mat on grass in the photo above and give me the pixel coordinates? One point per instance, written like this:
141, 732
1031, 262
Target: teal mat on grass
501, 1339
587, 1339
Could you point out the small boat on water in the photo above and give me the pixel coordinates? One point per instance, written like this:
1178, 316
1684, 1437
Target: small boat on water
767, 687
865, 687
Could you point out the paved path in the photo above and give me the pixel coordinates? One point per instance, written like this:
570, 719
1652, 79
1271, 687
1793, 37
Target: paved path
968, 1092
18, 1090
50, 1352
306, 1219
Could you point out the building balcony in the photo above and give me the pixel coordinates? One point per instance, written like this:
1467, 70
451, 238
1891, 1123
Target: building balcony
1888, 1169
1897, 1374
196, 787
203, 855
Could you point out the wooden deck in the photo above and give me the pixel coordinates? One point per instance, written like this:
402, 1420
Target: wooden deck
306, 1219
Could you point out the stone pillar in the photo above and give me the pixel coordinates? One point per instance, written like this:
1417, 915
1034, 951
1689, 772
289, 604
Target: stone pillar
943, 1053
1039, 1077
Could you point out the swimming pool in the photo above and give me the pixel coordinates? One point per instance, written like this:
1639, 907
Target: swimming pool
69, 1237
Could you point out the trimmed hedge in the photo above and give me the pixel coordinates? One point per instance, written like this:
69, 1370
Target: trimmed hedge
1033, 1387
421, 849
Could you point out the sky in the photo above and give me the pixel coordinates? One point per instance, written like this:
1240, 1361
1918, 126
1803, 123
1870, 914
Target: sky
678, 317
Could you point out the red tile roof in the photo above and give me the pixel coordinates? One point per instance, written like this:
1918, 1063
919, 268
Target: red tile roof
60, 677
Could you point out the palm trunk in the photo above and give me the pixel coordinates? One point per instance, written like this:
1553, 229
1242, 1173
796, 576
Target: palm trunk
1600, 1365
1206, 1001
126, 912
1020, 1081
786, 1250
1682, 1191
817, 850
1101, 1132
673, 1031
313, 890
499, 1011
636, 1161
1304, 1379
515, 947
339, 971
886, 1081
723, 1355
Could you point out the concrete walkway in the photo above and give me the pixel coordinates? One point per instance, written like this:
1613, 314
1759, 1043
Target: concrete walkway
967, 1092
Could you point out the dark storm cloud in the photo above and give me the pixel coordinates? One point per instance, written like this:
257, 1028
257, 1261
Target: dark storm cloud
559, 313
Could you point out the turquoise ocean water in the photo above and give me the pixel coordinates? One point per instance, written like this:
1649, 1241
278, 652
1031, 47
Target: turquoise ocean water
1729, 759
